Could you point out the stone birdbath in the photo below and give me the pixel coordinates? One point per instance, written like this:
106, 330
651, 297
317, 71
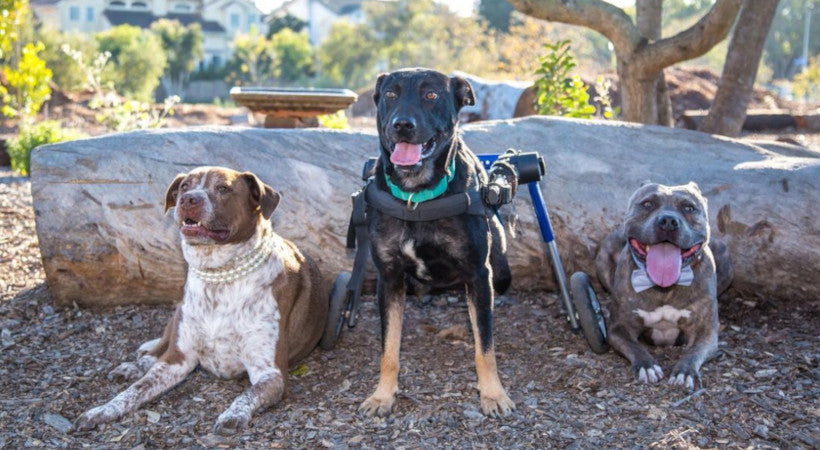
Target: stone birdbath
292, 108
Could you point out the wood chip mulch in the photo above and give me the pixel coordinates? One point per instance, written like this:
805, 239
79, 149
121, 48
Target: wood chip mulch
762, 391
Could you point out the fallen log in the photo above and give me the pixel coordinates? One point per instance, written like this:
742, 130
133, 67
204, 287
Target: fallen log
105, 240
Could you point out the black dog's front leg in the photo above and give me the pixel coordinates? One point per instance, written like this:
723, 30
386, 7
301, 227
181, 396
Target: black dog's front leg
494, 400
391, 295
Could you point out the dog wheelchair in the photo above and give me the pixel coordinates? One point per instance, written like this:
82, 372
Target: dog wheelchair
578, 299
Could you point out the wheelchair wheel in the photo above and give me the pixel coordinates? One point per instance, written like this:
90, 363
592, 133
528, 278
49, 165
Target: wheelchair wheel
588, 311
339, 298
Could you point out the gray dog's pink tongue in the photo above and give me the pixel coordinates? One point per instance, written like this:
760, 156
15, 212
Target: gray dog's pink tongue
663, 264
406, 154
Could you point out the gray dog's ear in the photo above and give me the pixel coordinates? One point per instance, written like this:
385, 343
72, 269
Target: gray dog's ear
263, 195
377, 91
171, 193
694, 186
462, 92
645, 182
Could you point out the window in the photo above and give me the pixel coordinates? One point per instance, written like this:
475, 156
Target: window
89, 14
234, 20
74, 13
251, 20
182, 7
117, 4
216, 61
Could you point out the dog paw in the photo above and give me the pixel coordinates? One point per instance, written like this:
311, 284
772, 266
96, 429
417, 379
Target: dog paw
686, 377
497, 406
377, 406
96, 416
231, 422
125, 372
649, 374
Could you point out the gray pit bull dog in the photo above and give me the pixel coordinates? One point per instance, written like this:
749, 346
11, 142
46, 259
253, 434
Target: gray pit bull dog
664, 273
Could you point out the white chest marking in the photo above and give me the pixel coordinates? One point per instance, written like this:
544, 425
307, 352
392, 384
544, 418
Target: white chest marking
665, 313
410, 252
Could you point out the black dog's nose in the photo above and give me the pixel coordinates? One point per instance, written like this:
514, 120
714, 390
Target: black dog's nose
668, 223
404, 123
188, 200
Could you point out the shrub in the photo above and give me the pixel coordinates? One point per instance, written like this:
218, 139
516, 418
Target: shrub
336, 121
66, 73
294, 57
32, 136
137, 60
27, 84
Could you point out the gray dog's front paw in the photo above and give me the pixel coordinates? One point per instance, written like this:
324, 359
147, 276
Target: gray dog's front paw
231, 422
648, 373
684, 375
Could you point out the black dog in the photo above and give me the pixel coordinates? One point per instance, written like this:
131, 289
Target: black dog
423, 157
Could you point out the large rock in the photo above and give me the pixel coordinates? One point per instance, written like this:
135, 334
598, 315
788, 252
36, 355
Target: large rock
105, 239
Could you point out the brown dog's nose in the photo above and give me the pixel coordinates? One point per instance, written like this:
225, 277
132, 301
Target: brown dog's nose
404, 123
189, 200
668, 223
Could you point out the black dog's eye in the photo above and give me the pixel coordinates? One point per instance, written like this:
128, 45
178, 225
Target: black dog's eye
647, 204
689, 209
390, 94
431, 95
222, 189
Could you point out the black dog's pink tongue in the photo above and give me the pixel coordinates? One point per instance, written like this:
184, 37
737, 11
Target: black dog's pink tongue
663, 264
406, 154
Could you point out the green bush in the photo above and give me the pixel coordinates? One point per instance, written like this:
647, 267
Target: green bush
554, 96
66, 73
335, 121
27, 85
32, 136
137, 60
294, 56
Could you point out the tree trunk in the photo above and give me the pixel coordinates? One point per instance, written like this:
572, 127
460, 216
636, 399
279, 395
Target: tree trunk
640, 62
115, 245
728, 111
648, 20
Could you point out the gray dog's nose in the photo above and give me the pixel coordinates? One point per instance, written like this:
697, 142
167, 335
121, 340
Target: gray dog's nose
404, 123
668, 223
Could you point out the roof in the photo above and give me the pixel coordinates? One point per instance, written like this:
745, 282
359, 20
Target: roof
144, 19
338, 7
44, 2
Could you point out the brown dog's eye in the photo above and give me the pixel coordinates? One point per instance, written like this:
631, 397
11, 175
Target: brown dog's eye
183, 186
390, 94
431, 95
222, 189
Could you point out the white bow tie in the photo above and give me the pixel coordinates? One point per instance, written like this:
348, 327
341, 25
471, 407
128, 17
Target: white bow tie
642, 282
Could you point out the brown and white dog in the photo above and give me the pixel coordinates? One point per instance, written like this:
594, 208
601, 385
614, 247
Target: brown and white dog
253, 303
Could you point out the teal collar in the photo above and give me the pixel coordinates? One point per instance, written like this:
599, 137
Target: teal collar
424, 194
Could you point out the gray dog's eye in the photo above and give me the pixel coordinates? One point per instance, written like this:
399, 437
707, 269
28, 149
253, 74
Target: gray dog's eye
647, 204
689, 209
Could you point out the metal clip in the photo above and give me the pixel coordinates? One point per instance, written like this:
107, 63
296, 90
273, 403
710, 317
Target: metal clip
410, 205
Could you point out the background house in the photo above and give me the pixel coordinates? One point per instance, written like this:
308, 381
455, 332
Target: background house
321, 14
221, 20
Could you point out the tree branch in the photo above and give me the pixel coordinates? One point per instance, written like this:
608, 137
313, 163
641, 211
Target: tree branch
603, 17
690, 43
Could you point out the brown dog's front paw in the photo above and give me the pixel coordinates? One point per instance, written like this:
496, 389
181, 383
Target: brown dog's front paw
377, 406
96, 416
685, 377
648, 373
497, 406
231, 422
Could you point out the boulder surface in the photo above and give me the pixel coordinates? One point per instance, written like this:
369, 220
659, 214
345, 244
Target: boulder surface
105, 239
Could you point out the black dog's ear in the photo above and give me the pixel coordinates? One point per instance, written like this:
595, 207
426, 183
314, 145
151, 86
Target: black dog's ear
263, 195
462, 92
377, 91
171, 193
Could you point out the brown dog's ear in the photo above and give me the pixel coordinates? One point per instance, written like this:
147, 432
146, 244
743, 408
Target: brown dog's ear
377, 91
263, 195
171, 193
462, 92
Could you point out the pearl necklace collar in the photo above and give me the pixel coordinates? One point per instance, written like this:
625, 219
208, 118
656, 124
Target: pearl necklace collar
239, 266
